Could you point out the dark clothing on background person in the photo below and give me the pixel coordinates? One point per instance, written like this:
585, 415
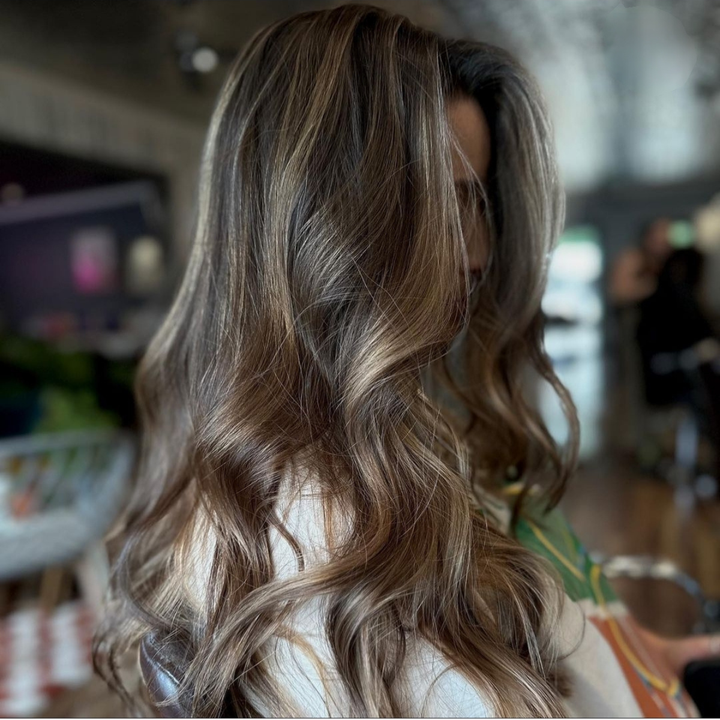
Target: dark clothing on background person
671, 320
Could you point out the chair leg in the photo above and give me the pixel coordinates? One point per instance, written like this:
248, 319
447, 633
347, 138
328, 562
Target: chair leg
52, 587
687, 440
4, 599
93, 573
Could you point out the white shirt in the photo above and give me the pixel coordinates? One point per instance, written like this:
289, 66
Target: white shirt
431, 687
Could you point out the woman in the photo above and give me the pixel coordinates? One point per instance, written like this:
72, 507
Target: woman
325, 513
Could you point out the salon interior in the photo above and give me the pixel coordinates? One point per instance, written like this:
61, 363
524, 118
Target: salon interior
103, 112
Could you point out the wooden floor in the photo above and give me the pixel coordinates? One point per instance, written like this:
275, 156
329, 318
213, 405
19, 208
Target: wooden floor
615, 509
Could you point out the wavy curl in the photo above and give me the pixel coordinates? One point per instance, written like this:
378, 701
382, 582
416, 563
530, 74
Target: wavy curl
321, 316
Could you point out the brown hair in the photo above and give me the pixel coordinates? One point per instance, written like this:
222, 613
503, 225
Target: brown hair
321, 316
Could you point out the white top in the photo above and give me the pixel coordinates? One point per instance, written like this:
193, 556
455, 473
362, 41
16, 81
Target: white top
599, 688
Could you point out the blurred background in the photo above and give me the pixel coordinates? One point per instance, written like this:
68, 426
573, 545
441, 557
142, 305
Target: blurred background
103, 110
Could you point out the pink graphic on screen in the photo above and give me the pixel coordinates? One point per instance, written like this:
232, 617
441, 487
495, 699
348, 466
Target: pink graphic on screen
94, 261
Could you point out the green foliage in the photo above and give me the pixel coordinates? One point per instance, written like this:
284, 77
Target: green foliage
45, 363
61, 390
64, 409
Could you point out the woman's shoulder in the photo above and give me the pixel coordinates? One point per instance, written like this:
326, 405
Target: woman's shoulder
446, 691
427, 686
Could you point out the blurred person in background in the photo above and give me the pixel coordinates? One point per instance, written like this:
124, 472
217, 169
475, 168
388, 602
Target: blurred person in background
317, 529
678, 344
636, 269
633, 277
672, 320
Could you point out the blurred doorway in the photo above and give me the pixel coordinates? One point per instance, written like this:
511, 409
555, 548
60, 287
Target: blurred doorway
573, 337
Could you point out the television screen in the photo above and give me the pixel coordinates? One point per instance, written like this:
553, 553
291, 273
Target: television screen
78, 253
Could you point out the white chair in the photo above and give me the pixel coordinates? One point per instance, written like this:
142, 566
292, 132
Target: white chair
60, 494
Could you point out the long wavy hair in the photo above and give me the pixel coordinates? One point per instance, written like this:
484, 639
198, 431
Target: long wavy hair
323, 315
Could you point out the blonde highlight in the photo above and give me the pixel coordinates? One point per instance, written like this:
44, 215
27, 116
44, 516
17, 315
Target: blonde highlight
321, 318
